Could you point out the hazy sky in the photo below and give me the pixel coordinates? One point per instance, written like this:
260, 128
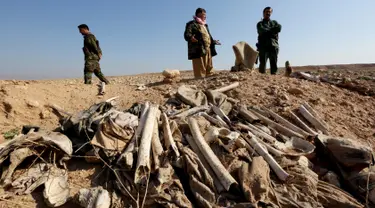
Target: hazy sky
39, 39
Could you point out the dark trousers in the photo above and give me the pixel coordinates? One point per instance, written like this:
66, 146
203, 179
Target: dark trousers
270, 54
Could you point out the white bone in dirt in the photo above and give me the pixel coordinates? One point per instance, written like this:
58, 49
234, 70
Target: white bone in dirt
258, 132
143, 162
269, 148
214, 120
168, 138
314, 121
243, 142
281, 173
295, 147
302, 124
287, 124
262, 134
263, 128
221, 114
112, 99
224, 176
191, 111
156, 146
127, 155
227, 88
228, 138
102, 88
212, 135
197, 151
249, 116
283, 130
315, 114
220, 120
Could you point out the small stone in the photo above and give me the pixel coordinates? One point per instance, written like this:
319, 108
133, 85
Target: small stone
45, 114
295, 91
285, 109
32, 103
234, 77
22, 87
347, 103
284, 96
332, 178
7, 106
322, 70
171, 73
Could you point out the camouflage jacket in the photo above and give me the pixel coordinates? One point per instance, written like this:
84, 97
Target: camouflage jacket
197, 50
91, 47
268, 34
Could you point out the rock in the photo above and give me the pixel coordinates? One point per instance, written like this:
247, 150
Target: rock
171, 73
4, 91
169, 80
234, 77
141, 87
22, 87
94, 198
332, 178
285, 109
32, 103
284, 96
45, 114
321, 101
322, 70
7, 106
295, 91
347, 103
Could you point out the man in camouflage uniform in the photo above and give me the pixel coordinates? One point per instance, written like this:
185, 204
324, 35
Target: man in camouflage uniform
93, 54
268, 41
201, 45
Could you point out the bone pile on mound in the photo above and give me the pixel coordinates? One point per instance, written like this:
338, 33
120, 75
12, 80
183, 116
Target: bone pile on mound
201, 149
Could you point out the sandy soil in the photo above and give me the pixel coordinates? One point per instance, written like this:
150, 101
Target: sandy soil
347, 113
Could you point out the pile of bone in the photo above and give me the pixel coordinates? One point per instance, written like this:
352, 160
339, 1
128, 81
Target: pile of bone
200, 149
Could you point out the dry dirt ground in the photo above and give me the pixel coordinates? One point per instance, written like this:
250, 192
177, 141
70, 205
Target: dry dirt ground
347, 113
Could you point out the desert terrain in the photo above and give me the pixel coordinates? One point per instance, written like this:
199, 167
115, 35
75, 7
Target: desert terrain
348, 113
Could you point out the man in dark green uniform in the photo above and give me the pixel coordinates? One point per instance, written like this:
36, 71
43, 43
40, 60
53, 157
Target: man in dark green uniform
268, 41
93, 54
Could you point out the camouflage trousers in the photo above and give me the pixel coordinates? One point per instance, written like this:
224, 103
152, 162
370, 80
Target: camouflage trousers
93, 66
272, 55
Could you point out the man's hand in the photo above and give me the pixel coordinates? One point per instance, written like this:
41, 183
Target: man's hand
193, 39
217, 42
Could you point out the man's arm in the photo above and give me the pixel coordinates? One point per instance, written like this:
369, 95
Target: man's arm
188, 34
261, 29
276, 28
94, 46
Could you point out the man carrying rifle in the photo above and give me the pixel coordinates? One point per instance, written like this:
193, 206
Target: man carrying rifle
268, 41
